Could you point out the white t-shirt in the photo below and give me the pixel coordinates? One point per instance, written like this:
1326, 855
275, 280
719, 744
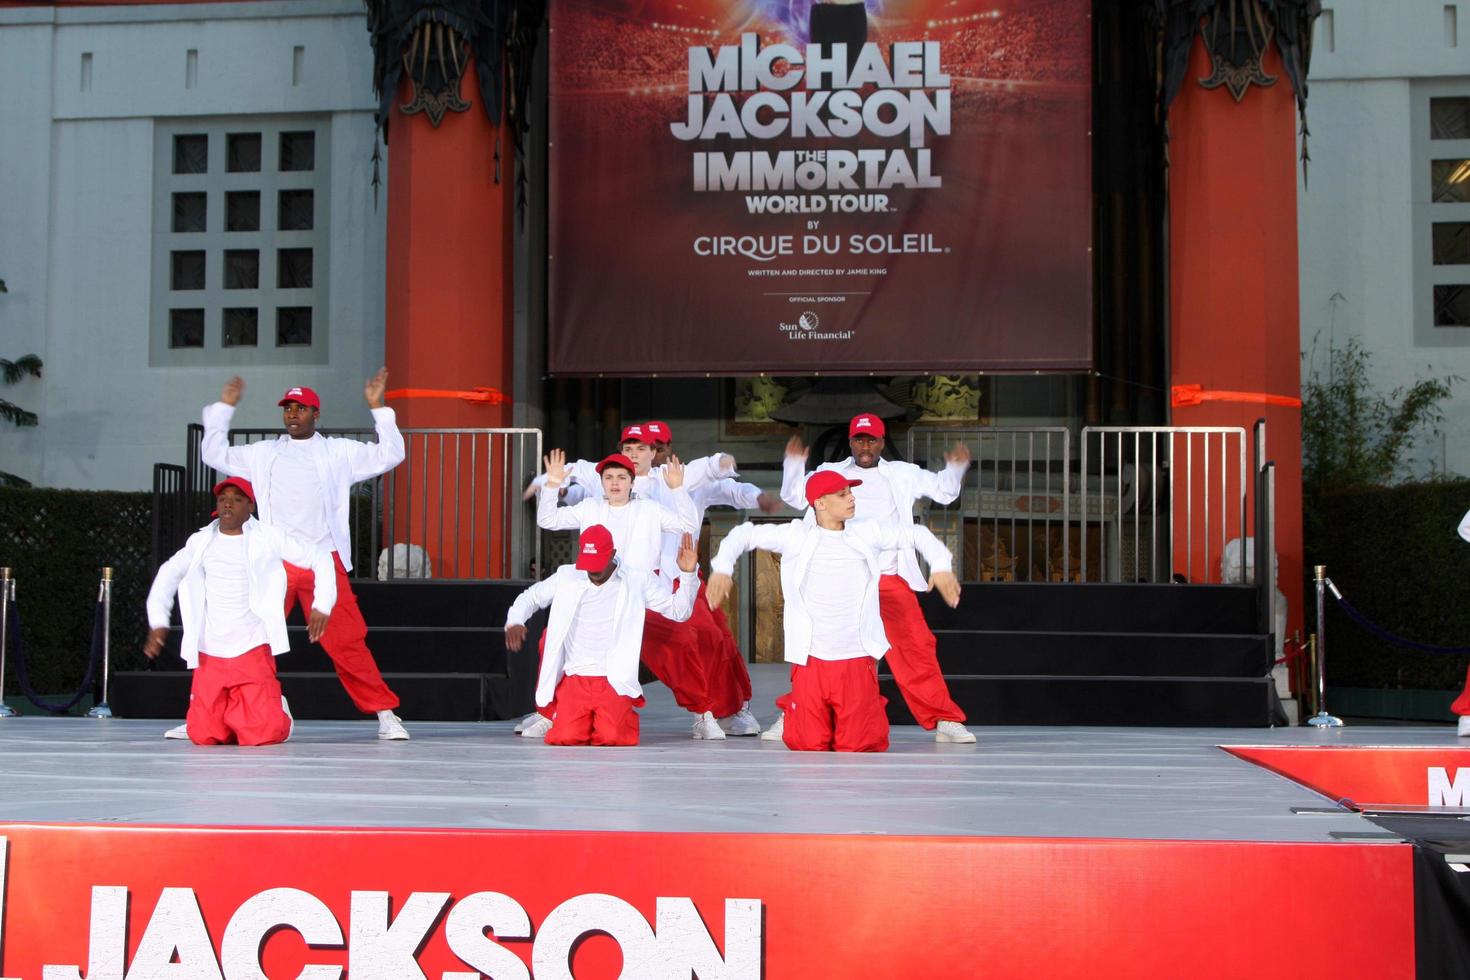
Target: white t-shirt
617, 522
230, 627
296, 494
875, 503
832, 591
590, 635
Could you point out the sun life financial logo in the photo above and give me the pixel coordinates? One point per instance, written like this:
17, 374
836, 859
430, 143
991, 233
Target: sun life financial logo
806, 328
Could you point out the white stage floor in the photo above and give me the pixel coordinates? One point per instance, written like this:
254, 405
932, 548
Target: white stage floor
1139, 783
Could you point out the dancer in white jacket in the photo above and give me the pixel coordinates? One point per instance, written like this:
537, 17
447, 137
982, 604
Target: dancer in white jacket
831, 577
231, 586
889, 490
302, 483
589, 669
1461, 706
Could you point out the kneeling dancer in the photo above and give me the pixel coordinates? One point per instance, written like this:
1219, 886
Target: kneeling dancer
590, 667
231, 585
830, 575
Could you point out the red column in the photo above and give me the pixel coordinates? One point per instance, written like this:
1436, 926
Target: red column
449, 317
1233, 276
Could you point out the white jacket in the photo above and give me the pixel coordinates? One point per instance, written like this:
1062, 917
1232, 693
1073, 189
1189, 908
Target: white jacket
703, 495
339, 464
563, 592
908, 483
265, 548
644, 536
796, 541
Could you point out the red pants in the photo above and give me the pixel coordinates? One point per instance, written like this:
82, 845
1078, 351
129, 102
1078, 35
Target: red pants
834, 706
1462, 703
671, 651
911, 657
237, 699
590, 712
345, 639
728, 675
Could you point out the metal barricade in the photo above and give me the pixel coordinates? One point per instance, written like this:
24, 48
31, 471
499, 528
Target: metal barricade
1185, 488
452, 509
1011, 520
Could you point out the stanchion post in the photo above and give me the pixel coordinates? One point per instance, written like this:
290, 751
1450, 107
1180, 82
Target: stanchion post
7, 596
1322, 719
104, 596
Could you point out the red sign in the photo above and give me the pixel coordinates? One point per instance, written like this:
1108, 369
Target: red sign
744, 186
148, 903
1368, 775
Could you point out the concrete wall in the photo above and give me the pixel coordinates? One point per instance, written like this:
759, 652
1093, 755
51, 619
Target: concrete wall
76, 212
1357, 199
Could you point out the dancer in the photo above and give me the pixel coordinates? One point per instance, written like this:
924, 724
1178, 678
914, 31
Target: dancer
589, 669
725, 664
831, 575
670, 648
231, 583
889, 491
302, 483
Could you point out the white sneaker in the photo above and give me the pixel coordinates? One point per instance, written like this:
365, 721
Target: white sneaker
178, 731
390, 727
292, 726
741, 722
775, 732
1462, 730
952, 731
528, 721
537, 728
705, 726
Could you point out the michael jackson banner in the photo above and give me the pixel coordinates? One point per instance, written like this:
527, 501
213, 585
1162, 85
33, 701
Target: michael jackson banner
784, 186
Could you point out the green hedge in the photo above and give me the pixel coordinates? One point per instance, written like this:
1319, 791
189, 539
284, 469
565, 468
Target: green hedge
1395, 555
56, 543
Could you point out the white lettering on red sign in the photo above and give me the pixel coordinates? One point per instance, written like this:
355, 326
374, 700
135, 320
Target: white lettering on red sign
176, 944
1444, 791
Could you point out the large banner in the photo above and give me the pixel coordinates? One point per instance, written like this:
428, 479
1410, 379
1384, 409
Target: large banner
192, 903
746, 186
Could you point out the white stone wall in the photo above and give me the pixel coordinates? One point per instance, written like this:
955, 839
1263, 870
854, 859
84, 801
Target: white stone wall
76, 205
1356, 206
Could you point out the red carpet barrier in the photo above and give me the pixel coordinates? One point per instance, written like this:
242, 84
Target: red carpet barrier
150, 902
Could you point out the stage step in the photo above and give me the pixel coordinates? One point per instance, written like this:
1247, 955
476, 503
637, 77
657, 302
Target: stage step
1011, 652
440, 646
1201, 702
1098, 608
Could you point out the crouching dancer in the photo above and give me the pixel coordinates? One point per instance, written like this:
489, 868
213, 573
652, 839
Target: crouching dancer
590, 666
830, 575
231, 585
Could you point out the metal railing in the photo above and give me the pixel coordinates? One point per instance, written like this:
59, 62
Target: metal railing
1176, 472
1011, 519
451, 509
1138, 504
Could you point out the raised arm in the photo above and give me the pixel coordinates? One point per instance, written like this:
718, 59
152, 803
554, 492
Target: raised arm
682, 517
793, 473
708, 469
677, 605
548, 515
215, 449
944, 486
370, 459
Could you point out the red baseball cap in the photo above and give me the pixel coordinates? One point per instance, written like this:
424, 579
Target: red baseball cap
823, 482
660, 431
636, 433
239, 483
866, 425
304, 396
594, 549
617, 459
